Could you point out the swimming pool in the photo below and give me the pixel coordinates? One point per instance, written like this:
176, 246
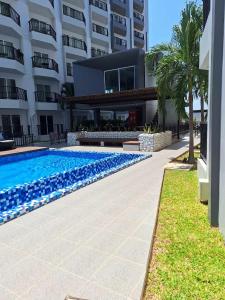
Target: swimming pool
33, 179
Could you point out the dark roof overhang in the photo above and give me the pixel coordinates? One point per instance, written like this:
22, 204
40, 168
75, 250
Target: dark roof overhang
130, 96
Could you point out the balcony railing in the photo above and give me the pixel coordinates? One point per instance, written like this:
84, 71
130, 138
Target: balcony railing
41, 96
73, 13
119, 44
139, 5
42, 27
74, 42
100, 29
52, 2
7, 10
206, 10
139, 35
11, 53
45, 63
12, 92
98, 3
119, 6
97, 52
203, 141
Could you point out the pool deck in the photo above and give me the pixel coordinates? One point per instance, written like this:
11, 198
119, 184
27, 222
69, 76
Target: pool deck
20, 150
92, 244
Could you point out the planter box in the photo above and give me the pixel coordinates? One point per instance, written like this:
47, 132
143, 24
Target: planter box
126, 135
155, 142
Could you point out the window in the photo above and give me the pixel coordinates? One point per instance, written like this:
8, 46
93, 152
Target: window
46, 125
11, 126
7, 88
111, 81
43, 93
6, 49
69, 69
41, 59
127, 79
120, 80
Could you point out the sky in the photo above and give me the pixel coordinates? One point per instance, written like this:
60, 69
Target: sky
163, 14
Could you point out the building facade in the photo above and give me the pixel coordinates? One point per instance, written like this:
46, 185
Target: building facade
211, 167
39, 41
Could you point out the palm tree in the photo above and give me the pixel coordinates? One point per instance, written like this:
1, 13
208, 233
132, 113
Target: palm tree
177, 71
202, 91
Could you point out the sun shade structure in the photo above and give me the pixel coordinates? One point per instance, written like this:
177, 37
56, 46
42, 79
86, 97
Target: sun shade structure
135, 96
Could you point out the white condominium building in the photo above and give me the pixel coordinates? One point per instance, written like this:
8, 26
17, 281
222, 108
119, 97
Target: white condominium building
39, 40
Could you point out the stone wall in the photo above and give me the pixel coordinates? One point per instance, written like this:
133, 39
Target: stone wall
155, 142
148, 142
72, 136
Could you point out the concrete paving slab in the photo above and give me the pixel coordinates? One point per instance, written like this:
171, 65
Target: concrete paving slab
73, 249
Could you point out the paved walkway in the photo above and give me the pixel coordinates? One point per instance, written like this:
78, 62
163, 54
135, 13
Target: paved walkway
93, 244
19, 150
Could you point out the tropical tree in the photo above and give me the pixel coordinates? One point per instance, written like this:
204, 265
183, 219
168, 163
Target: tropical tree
202, 91
178, 70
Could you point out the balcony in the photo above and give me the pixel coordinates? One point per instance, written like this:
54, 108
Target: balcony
46, 100
42, 7
139, 39
73, 19
10, 20
139, 21
99, 10
45, 67
74, 48
11, 59
12, 97
97, 52
42, 34
203, 141
100, 35
119, 6
119, 25
139, 5
119, 44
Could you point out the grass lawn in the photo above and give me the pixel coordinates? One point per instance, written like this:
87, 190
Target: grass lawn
188, 256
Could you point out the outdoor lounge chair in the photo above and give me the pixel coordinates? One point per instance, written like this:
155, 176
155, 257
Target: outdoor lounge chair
6, 144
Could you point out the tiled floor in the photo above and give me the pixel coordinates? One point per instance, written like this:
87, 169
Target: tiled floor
93, 244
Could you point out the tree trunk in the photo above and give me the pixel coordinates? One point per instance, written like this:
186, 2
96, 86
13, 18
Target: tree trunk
191, 128
202, 110
178, 128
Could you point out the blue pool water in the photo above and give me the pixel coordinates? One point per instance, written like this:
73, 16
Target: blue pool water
34, 179
47, 164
